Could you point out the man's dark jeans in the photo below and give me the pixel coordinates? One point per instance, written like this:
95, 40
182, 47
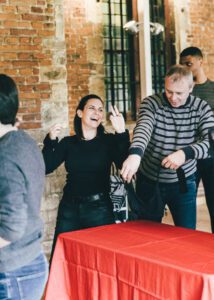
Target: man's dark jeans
205, 172
181, 205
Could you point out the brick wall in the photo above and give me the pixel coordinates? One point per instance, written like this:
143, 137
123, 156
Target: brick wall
33, 52
83, 34
83, 57
201, 34
23, 28
54, 51
201, 31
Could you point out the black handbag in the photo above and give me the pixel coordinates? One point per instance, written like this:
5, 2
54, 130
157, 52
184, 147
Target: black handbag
118, 195
149, 207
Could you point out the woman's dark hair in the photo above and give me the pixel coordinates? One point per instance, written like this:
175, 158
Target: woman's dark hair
9, 101
77, 119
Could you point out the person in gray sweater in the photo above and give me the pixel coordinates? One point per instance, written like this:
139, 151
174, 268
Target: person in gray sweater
23, 266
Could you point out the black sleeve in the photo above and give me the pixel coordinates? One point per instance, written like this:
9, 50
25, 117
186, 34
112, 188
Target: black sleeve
120, 147
189, 153
54, 153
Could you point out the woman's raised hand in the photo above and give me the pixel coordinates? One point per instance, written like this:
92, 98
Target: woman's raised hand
55, 131
117, 120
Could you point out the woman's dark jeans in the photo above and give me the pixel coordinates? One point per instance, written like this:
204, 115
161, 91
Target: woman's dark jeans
83, 212
181, 205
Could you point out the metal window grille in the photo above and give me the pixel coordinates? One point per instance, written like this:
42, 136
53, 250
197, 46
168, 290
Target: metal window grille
118, 49
158, 48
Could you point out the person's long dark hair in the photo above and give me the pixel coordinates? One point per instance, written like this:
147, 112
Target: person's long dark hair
9, 101
78, 121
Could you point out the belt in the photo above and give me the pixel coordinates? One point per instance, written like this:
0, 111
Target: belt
91, 198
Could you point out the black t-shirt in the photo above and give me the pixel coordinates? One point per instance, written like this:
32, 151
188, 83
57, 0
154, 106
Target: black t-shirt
87, 163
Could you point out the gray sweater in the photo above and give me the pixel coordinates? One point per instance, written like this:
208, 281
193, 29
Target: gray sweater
22, 175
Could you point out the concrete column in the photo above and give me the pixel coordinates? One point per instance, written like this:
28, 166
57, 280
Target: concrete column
182, 25
144, 48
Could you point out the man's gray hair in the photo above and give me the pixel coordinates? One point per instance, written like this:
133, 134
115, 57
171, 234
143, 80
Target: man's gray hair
177, 72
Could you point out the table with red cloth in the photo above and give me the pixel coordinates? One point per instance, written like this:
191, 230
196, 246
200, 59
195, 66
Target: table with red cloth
137, 260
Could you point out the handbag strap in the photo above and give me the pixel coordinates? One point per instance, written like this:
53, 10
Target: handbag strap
114, 170
211, 140
181, 179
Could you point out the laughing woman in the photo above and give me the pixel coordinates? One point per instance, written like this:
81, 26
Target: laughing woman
88, 156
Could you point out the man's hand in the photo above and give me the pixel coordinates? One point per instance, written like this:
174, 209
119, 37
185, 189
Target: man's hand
174, 160
130, 167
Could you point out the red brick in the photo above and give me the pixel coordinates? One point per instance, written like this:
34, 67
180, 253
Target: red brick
33, 17
37, 9
29, 95
10, 24
22, 56
26, 88
31, 125
11, 72
25, 63
31, 117
37, 40
45, 95
20, 32
7, 8
37, 25
32, 79
46, 33
9, 16
25, 40
12, 40
42, 87
10, 56
5, 64
25, 71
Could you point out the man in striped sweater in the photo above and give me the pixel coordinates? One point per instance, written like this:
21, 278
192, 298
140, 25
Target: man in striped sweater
192, 57
170, 135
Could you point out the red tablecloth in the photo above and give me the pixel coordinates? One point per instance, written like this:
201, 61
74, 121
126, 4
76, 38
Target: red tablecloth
133, 261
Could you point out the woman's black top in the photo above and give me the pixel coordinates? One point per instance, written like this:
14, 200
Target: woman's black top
88, 163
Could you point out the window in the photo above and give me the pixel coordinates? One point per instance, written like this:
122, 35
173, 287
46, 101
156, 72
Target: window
119, 61
158, 47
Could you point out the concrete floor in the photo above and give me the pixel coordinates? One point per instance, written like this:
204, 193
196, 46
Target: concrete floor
203, 221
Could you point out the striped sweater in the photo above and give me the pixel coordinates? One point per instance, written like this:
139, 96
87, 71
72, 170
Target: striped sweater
162, 129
